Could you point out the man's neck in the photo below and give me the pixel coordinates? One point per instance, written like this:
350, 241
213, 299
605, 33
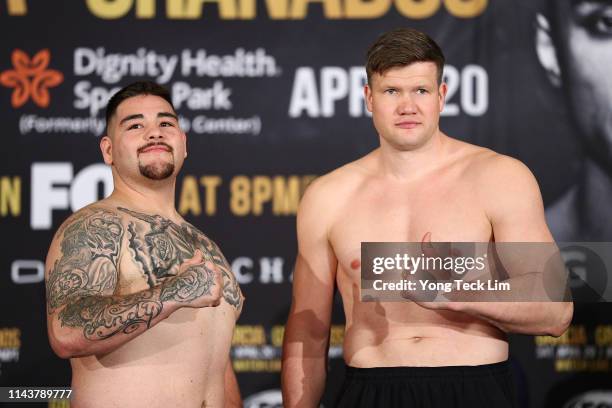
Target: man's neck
151, 197
407, 165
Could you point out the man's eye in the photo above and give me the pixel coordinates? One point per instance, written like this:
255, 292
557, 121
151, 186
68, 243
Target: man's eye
600, 22
135, 126
164, 124
391, 91
422, 91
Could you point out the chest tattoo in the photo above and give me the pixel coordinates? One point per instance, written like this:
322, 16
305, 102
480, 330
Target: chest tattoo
159, 246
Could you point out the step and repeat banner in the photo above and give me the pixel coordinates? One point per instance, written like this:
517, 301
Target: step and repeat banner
271, 96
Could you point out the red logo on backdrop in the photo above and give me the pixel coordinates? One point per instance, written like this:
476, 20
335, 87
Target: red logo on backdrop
30, 78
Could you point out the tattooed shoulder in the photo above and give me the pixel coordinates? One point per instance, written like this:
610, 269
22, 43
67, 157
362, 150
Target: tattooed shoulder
89, 248
211, 251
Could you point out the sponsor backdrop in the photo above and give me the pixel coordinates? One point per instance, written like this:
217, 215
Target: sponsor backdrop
270, 94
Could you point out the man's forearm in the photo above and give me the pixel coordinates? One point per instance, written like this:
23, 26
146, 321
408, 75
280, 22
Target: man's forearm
529, 308
100, 324
537, 318
304, 364
303, 381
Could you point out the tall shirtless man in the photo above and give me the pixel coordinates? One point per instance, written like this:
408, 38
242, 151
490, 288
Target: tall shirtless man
142, 302
419, 185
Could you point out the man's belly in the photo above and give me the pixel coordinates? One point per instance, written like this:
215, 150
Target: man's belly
179, 363
405, 334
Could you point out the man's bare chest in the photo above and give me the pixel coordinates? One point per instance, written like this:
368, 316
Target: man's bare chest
448, 215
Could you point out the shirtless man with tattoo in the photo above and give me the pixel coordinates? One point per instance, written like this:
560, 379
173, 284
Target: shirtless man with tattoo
420, 185
142, 302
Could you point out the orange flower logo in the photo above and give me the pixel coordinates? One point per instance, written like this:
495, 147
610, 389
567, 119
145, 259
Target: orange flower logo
31, 78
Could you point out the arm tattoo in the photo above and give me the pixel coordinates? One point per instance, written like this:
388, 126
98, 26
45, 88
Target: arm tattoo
88, 265
194, 282
86, 271
84, 278
103, 317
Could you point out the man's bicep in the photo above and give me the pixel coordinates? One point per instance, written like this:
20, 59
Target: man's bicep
515, 206
313, 284
83, 258
519, 224
315, 266
313, 288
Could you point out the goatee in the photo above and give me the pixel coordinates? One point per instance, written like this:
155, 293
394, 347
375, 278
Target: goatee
157, 171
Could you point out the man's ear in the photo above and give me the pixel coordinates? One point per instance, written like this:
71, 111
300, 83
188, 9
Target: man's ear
367, 93
546, 51
442, 90
106, 146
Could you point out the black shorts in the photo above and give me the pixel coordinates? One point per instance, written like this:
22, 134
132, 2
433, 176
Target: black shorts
487, 385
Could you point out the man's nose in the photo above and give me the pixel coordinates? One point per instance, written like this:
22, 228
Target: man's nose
154, 132
406, 106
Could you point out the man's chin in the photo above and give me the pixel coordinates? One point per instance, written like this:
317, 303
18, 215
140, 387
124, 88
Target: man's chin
157, 171
406, 144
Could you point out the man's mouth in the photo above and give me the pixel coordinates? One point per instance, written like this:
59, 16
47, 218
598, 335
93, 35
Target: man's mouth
409, 124
155, 147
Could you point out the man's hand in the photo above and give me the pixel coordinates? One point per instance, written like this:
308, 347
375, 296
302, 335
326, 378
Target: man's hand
198, 284
429, 298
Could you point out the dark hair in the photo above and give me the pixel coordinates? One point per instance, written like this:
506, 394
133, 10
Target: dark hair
401, 47
553, 10
135, 89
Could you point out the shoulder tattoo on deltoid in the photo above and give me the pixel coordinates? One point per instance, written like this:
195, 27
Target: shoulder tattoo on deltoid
159, 246
88, 265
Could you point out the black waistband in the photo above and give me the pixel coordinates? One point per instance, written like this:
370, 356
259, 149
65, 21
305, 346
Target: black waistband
501, 368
